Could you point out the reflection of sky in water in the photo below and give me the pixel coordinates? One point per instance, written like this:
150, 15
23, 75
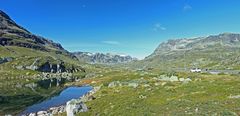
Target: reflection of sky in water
65, 95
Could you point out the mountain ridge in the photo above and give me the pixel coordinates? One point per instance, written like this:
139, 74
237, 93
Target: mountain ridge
225, 39
11, 34
220, 51
101, 58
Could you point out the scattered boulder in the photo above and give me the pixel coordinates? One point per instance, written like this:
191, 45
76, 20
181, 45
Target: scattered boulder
31, 85
114, 84
234, 97
57, 110
20, 67
142, 97
173, 78
185, 80
181, 79
164, 78
32, 114
164, 83
42, 113
33, 65
146, 85
134, 85
156, 84
74, 106
18, 85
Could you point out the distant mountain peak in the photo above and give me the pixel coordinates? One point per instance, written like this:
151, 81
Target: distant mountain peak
101, 58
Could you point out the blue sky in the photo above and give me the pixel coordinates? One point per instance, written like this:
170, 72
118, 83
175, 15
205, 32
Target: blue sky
134, 27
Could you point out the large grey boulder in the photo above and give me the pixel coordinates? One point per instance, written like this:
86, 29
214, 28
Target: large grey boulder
173, 78
74, 106
234, 97
42, 113
134, 85
33, 66
114, 84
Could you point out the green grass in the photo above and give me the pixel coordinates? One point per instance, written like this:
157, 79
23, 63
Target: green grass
205, 95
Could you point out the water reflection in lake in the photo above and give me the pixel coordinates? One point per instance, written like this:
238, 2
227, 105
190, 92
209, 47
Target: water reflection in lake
66, 95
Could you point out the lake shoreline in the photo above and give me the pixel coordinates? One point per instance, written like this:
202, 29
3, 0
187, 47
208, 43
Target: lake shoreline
59, 109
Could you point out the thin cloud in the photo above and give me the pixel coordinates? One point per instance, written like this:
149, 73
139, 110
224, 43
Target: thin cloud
158, 27
187, 7
111, 42
79, 45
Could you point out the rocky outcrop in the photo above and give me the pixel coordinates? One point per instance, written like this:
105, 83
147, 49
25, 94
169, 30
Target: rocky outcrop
100, 58
58, 68
172, 79
5, 59
53, 68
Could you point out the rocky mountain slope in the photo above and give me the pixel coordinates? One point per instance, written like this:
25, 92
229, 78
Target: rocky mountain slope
100, 58
14, 35
32, 52
213, 52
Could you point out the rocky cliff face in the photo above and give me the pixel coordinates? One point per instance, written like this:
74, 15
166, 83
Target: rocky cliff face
101, 58
216, 51
58, 68
12, 34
